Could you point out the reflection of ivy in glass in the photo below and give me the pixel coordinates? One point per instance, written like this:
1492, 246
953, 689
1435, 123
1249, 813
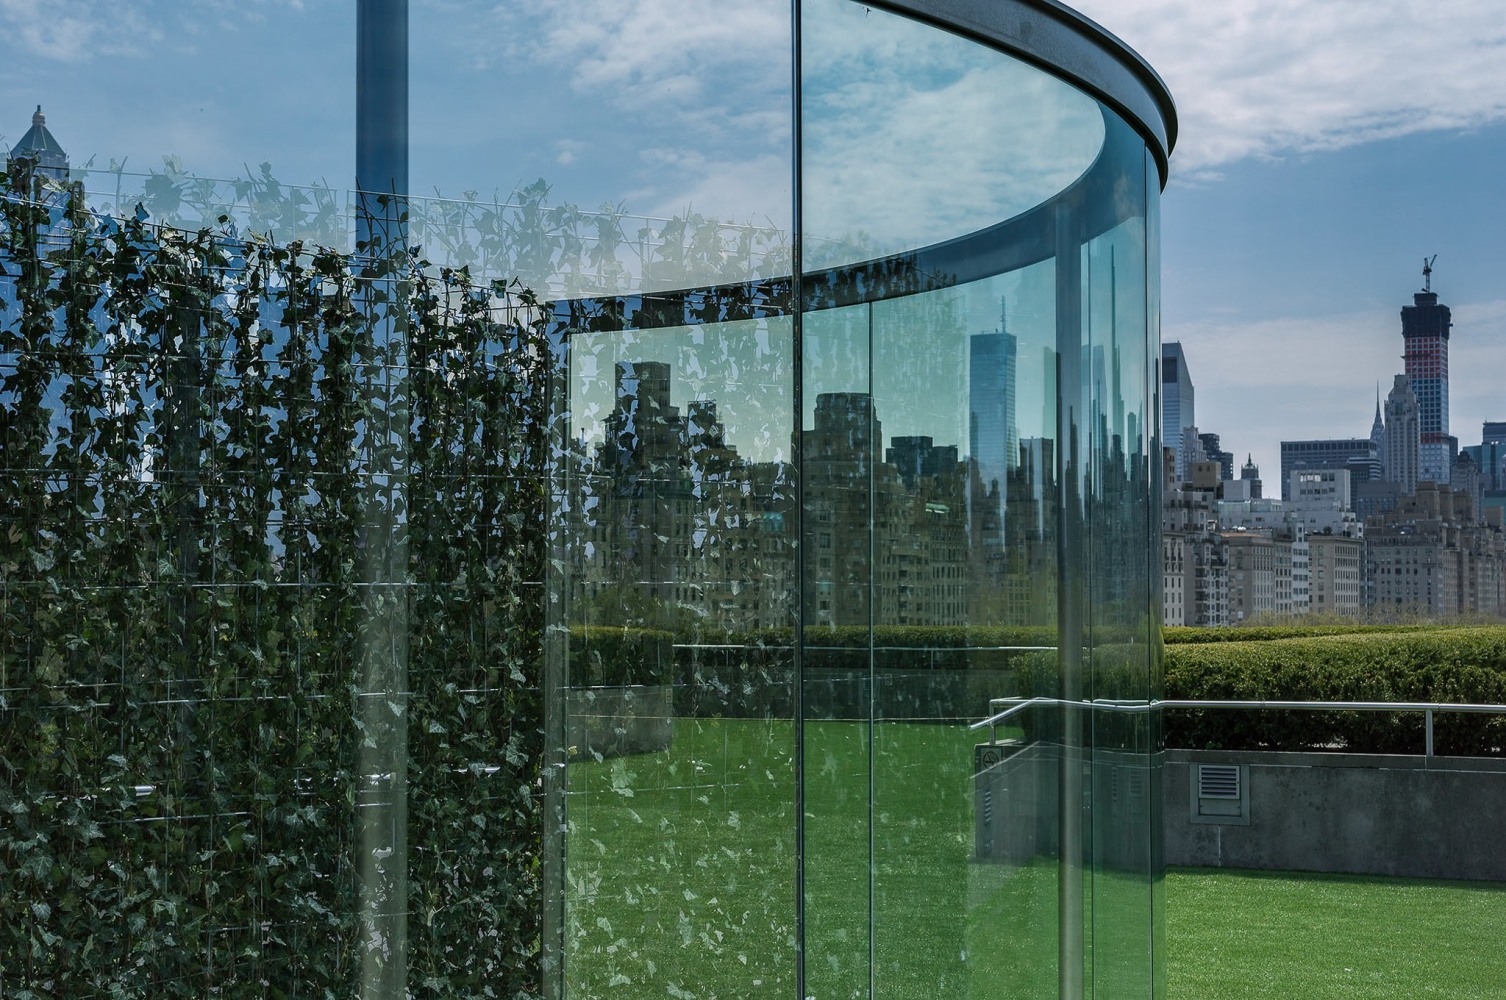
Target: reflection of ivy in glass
188, 427
558, 248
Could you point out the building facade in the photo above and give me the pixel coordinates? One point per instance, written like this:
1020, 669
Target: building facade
1403, 437
1361, 456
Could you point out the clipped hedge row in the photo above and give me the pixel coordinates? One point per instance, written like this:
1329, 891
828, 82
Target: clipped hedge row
1184, 634
907, 672
1465, 664
946, 673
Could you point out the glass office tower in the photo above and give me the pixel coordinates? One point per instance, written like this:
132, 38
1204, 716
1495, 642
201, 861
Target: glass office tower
677, 518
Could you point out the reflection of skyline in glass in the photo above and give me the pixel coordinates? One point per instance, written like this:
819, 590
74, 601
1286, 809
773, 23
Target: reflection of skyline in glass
671, 512
994, 435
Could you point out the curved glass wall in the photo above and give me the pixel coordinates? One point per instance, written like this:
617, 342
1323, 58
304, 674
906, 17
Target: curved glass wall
977, 453
863, 512
623, 500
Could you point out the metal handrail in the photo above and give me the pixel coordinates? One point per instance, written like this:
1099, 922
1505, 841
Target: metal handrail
1428, 708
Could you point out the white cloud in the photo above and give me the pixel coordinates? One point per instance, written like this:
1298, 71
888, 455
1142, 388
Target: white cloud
1264, 78
81, 30
667, 57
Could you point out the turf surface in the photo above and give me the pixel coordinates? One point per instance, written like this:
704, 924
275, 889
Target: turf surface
682, 884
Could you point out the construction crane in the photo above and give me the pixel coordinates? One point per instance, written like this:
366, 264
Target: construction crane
1427, 272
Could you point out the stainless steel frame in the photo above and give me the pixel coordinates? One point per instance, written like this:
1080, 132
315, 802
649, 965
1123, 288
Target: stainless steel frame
1429, 708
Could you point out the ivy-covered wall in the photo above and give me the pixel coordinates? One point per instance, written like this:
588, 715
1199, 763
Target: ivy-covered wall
201, 436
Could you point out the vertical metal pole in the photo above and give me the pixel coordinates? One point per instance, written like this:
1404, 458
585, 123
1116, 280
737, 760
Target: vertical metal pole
557, 575
797, 459
1070, 554
381, 235
1430, 731
381, 126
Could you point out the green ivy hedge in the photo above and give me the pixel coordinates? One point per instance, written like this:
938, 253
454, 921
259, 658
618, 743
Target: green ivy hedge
205, 470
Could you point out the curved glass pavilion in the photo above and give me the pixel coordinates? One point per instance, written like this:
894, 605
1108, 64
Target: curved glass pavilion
875, 478
681, 523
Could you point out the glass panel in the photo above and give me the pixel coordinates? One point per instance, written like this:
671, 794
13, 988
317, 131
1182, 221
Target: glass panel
148, 112
840, 456
625, 147
966, 543
912, 135
1120, 633
1155, 689
981, 449
633, 169
188, 469
679, 679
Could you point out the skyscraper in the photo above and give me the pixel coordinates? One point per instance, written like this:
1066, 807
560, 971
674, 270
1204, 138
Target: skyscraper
1176, 402
1424, 329
1213, 448
1403, 455
1251, 474
993, 430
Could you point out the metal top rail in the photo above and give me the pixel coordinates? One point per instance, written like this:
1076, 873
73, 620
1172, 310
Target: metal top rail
1018, 705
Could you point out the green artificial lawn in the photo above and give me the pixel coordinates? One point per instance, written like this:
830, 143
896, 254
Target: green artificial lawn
1258, 935
682, 884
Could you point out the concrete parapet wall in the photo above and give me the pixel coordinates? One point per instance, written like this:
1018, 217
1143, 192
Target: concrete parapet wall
1439, 817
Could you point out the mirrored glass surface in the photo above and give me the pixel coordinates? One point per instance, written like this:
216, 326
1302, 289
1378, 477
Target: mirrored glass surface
678, 682
912, 135
990, 528
623, 148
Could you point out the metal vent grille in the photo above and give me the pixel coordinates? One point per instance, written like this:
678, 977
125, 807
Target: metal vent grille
1218, 781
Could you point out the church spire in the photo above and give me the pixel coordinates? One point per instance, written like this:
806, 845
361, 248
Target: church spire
39, 145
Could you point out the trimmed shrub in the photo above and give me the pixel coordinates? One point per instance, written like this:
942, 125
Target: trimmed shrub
1460, 665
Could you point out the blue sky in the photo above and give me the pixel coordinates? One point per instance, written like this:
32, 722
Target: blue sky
1326, 148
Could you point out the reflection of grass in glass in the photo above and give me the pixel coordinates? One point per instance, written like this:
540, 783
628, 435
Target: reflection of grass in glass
682, 875
1270, 935
681, 866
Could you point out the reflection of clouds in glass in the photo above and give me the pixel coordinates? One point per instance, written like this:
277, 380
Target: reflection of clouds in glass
679, 98
914, 136
88, 29
136, 82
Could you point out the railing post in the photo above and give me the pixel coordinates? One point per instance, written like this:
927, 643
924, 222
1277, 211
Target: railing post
1430, 731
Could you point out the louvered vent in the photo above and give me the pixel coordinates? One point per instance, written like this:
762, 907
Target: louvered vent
1218, 781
